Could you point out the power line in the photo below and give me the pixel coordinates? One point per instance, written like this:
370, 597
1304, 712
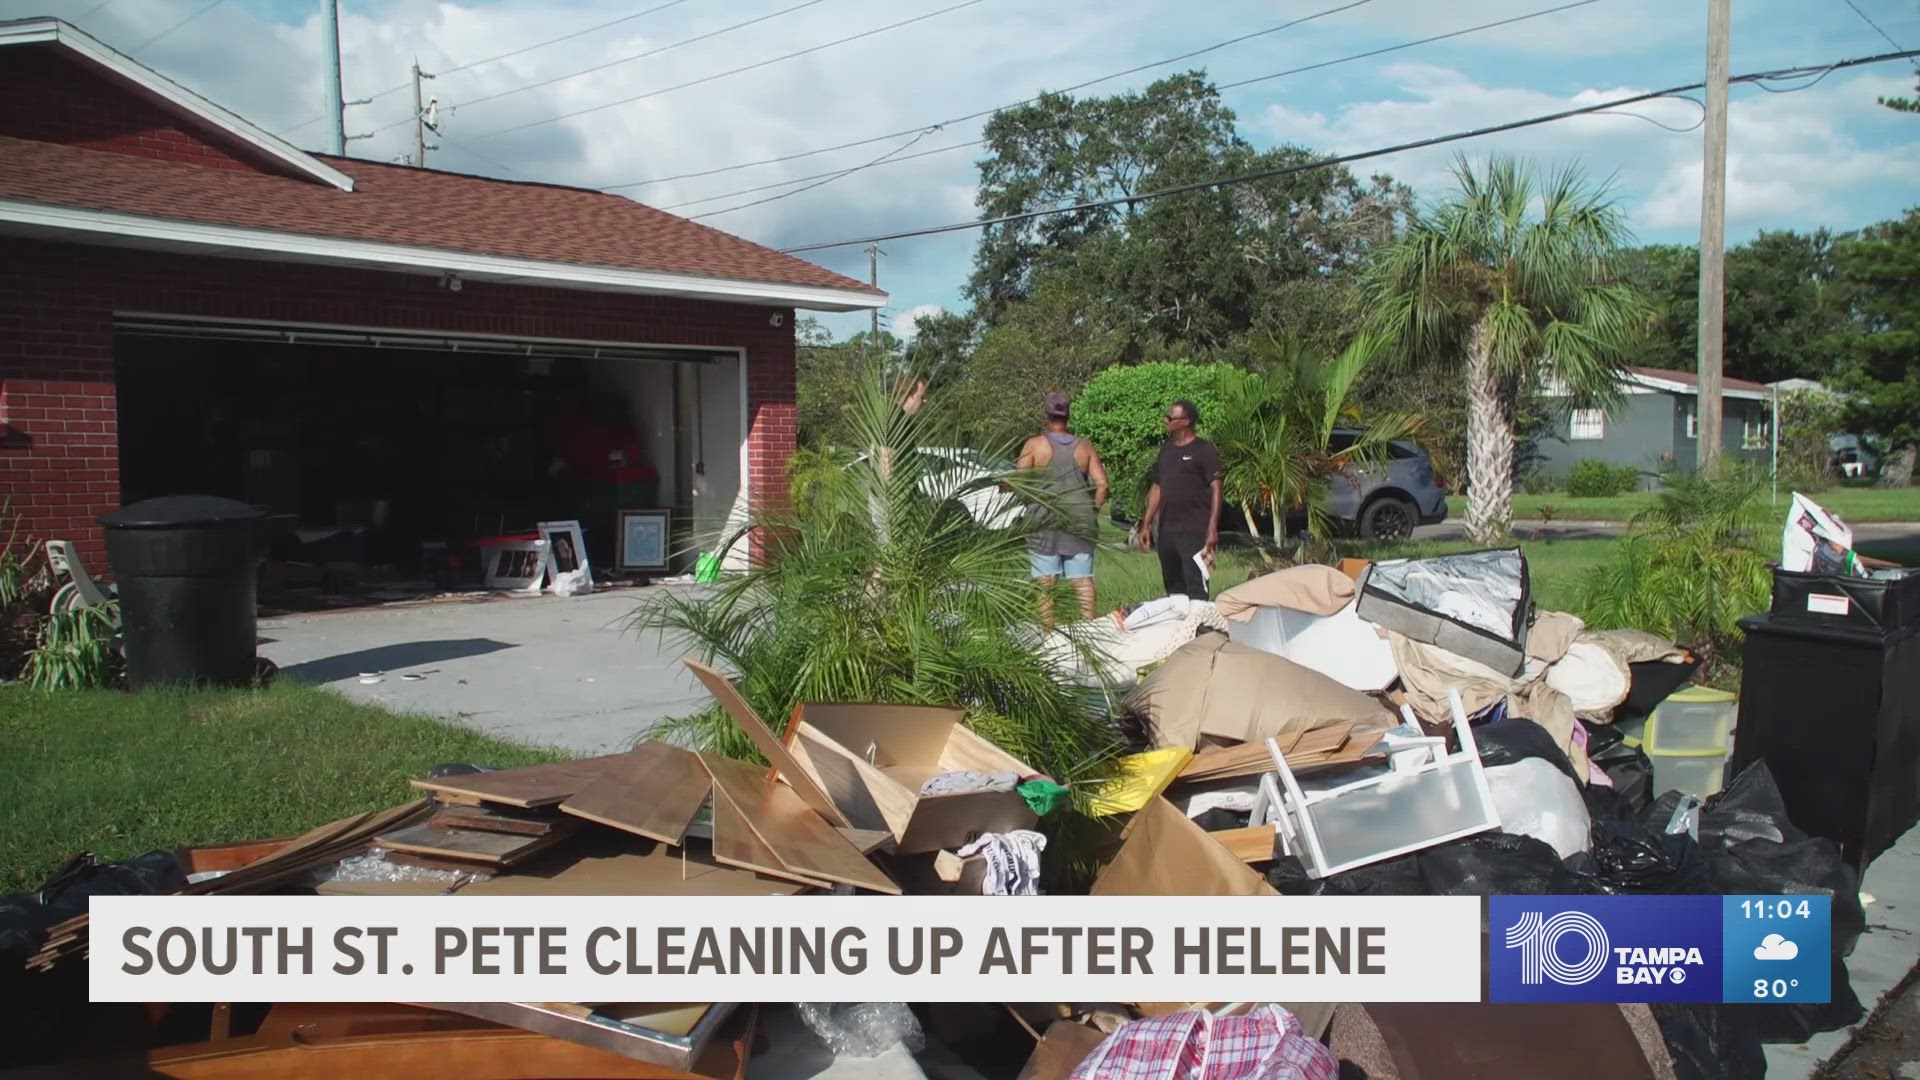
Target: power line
1869, 21
822, 181
887, 159
734, 71
150, 41
1344, 159
502, 56
1243, 82
92, 11
1001, 108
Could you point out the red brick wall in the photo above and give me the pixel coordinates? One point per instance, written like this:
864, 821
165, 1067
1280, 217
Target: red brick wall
50, 97
56, 352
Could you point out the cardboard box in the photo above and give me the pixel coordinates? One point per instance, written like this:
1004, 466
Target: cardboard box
872, 760
1353, 568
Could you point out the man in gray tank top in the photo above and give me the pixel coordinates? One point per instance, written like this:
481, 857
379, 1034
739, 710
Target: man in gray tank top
1071, 472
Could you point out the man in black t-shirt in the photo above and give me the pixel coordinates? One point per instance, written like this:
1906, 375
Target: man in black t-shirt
1183, 506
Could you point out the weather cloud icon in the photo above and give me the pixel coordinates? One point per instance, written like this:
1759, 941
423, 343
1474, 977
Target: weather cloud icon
1775, 947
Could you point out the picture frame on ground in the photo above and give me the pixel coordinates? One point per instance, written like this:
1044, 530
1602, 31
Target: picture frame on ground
645, 541
516, 564
566, 548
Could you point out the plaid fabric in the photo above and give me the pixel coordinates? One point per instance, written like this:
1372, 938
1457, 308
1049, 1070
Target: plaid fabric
1265, 1044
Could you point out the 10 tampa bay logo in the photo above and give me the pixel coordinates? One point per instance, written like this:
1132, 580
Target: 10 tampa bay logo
1605, 948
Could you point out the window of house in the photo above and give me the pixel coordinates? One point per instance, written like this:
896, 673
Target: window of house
1588, 424
1758, 432
1693, 421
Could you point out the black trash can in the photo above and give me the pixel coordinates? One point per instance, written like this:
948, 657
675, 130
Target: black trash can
186, 567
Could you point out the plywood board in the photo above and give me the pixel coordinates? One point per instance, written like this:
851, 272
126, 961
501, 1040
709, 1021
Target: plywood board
796, 836
528, 787
624, 865
768, 744
491, 819
735, 844
868, 797
1252, 844
471, 845
654, 791
968, 749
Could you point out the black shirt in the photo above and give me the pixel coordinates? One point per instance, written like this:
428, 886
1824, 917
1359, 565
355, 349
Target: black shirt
1186, 475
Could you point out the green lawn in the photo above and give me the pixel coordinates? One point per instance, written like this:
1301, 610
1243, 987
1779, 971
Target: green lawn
1854, 505
119, 774
1125, 577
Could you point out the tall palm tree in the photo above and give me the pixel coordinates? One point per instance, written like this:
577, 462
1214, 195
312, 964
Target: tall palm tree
1514, 278
1276, 429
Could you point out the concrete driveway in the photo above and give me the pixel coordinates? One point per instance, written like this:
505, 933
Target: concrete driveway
552, 671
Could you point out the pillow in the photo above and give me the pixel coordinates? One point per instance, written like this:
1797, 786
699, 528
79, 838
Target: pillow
1316, 590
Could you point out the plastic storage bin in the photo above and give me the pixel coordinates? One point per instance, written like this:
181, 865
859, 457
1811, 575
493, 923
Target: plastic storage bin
1693, 718
1701, 772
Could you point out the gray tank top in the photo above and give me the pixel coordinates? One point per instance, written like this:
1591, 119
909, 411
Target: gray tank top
1072, 493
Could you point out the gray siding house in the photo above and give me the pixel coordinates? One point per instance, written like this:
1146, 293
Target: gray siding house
1656, 424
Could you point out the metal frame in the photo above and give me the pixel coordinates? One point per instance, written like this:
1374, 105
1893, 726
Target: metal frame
579, 1024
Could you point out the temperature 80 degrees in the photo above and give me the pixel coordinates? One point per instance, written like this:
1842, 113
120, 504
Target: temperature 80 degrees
1776, 988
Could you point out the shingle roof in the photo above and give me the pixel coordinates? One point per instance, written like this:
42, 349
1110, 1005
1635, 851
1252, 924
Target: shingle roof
1689, 378
400, 205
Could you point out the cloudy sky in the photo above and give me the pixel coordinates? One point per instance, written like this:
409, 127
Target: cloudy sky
1825, 155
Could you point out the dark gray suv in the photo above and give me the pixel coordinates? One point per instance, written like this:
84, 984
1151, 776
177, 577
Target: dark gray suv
1384, 501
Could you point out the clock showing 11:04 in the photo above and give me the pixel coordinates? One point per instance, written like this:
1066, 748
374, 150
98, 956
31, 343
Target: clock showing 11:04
1776, 948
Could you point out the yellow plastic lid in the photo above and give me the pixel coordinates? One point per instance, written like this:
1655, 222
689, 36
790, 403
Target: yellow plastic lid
1701, 693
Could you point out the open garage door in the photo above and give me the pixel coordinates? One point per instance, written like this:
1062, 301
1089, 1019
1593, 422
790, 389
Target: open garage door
394, 453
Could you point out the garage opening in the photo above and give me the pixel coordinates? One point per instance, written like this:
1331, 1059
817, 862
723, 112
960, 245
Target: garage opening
391, 459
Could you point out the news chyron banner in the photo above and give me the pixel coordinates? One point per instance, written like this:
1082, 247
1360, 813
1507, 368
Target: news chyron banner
1732, 949
785, 948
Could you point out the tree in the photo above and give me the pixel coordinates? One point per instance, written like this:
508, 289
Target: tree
942, 344
1880, 350
1120, 413
829, 373
1275, 432
1779, 305
1515, 280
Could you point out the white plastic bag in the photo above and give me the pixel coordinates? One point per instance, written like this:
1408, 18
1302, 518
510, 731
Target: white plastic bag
1816, 542
863, 1029
1536, 799
572, 583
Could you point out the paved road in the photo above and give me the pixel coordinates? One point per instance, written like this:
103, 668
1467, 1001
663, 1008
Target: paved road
1870, 532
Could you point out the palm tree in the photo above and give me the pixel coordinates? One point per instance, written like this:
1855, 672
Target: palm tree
1516, 277
878, 585
1275, 434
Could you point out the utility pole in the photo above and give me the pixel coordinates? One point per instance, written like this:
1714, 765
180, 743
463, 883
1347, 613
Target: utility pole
420, 122
330, 64
873, 278
1713, 240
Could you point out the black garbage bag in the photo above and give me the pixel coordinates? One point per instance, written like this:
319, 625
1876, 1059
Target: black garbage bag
1220, 819
1750, 808
25, 917
1494, 863
1710, 1042
1506, 741
1398, 876
1627, 766
1289, 878
1635, 857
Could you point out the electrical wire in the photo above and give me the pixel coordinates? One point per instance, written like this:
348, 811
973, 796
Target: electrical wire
1105, 78
1695, 126
1869, 21
1341, 159
150, 41
818, 183
456, 144
999, 108
733, 71
92, 11
492, 59
884, 160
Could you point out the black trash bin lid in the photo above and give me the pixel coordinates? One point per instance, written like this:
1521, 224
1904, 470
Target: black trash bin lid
182, 512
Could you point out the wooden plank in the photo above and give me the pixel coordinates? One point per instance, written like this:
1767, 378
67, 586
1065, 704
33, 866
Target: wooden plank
471, 845
501, 820
868, 798
654, 791
796, 836
763, 738
528, 787
735, 844
618, 864
1253, 844
867, 841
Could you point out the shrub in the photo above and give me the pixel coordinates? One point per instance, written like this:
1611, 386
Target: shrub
1120, 412
1592, 478
1808, 420
1692, 566
1538, 483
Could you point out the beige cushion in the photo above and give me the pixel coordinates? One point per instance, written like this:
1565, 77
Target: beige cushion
1317, 590
1213, 686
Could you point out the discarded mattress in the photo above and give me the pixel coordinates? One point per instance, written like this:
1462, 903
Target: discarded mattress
1477, 604
1342, 646
1214, 686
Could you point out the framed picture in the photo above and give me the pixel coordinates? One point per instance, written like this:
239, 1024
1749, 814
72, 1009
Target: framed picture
516, 564
644, 540
566, 548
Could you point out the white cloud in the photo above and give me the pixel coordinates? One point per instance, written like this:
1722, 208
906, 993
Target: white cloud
902, 325
1775, 947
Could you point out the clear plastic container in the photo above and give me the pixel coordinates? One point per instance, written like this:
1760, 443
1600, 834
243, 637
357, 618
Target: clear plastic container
1402, 813
1694, 718
1696, 773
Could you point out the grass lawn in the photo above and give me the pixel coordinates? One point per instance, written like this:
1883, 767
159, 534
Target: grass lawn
118, 774
1854, 505
1124, 577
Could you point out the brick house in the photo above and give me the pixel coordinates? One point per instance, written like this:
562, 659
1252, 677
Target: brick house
189, 304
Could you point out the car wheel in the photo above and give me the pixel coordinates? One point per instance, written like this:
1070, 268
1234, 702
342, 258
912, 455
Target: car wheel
1388, 519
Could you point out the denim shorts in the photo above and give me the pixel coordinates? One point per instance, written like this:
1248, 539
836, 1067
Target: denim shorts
1071, 567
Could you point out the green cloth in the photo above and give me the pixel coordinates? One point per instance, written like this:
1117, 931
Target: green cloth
706, 570
1043, 796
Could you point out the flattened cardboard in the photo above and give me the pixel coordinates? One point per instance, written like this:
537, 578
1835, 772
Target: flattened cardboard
1165, 854
784, 767
786, 826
